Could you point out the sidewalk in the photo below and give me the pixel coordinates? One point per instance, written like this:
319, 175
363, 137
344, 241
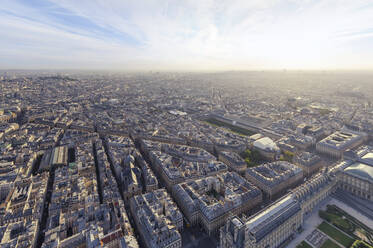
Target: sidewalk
310, 224
313, 220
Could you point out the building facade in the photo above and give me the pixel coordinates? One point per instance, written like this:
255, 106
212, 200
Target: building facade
274, 178
209, 201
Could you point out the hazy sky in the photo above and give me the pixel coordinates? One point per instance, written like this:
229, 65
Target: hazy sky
186, 34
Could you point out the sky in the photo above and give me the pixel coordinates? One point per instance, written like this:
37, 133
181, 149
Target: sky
186, 34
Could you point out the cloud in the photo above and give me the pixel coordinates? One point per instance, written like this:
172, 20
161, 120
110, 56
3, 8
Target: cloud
186, 35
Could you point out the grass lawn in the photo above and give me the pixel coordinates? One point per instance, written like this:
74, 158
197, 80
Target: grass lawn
353, 224
235, 129
329, 244
338, 221
336, 234
324, 111
304, 244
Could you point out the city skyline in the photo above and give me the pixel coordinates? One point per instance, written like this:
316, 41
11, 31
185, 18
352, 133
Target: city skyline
186, 35
186, 160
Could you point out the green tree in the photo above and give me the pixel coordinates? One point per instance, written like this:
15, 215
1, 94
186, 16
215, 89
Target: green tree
252, 157
287, 156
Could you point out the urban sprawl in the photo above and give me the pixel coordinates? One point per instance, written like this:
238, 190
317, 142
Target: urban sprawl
235, 159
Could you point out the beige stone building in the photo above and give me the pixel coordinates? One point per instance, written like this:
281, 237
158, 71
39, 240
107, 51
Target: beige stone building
335, 144
209, 201
280, 221
275, 178
158, 219
266, 229
234, 161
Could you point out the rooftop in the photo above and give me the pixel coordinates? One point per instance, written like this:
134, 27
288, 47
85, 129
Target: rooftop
266, 144
265, 221
342, 139
274, 173
360, 170
368, 158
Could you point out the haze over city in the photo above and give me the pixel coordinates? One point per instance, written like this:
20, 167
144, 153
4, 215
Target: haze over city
186, 124
186, 35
